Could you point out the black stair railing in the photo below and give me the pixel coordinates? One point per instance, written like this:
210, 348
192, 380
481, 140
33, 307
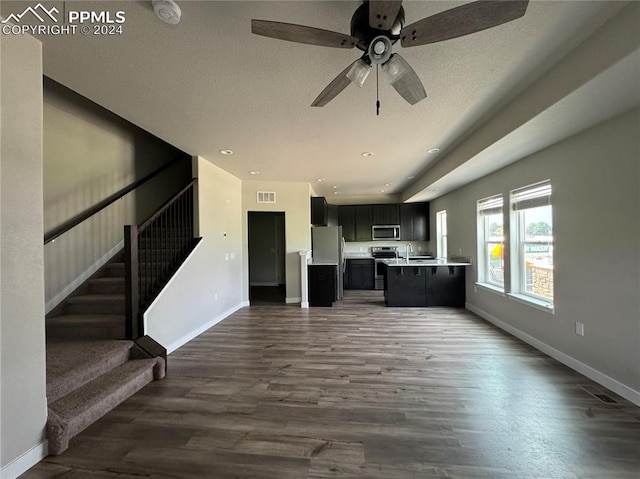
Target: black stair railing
153, 252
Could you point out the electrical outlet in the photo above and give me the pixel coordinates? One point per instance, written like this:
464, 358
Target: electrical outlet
233, 255
226, 256
579, 328
215, 297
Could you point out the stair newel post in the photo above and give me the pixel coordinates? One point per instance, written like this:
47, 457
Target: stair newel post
131, 278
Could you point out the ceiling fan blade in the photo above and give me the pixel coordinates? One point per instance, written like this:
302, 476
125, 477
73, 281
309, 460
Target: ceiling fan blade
334, 88
462, 20
302, 34
383, 13
404, 79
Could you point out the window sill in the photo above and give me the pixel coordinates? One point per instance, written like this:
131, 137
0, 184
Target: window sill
491, 288
533, 302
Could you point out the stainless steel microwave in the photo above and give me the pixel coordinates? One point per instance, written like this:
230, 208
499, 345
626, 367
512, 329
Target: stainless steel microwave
385, 232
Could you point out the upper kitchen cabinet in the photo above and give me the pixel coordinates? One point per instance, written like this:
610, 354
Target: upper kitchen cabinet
355, 221
319, 211
385, 214
363, 222
414, 222
347, 219
332, 219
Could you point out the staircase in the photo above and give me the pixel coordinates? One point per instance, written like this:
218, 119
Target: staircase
90, 367
95, 309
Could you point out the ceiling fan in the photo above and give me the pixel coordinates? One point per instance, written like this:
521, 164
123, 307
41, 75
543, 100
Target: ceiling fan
377, 25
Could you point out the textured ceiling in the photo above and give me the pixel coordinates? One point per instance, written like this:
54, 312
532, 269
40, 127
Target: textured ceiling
208, 84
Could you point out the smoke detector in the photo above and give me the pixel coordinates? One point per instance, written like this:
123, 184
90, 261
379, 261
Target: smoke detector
167, 11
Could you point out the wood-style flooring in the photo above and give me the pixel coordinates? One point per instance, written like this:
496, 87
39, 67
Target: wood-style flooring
358, 390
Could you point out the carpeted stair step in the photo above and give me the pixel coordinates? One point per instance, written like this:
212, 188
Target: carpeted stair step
114, 269
112, 303
74, 412
98, 326
106, 284
72, 364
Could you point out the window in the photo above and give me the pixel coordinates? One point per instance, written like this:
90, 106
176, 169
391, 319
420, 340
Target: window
441, 234
491, 242
532, 243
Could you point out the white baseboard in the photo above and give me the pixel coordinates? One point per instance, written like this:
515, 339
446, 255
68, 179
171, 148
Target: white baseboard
197, 332
76, 283
593, 374
25, 462
304, 304
292, 300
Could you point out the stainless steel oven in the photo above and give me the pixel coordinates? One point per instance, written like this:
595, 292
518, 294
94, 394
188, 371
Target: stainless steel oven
379, 254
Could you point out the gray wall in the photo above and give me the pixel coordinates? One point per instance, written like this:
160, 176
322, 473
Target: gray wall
89, 154
596, 209
22, 357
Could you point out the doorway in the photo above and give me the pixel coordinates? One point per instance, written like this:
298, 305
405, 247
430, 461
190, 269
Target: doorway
267, 246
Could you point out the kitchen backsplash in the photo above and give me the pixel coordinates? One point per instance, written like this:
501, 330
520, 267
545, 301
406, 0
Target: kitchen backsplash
356, 249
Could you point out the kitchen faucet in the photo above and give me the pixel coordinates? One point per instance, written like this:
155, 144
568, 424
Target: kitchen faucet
409, 248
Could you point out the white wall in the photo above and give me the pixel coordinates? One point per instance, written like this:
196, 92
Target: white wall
294, 200
209, 285
22, 357
596, 208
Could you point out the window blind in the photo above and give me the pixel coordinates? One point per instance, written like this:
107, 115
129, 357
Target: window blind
531, 196
490, 206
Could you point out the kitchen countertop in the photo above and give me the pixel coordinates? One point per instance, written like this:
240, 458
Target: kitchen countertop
423, 262
322, 263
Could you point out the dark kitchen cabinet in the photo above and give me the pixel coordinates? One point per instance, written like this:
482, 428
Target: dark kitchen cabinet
347, 219
414, 222
406, 286
425, 286
332, 217
359, 274
322, 284
445, 286
319, 211
363, 222
385, 214
356, 220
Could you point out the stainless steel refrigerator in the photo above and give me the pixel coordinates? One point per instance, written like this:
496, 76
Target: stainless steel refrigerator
327, 245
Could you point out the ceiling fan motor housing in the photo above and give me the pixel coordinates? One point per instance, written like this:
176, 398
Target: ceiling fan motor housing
361, 29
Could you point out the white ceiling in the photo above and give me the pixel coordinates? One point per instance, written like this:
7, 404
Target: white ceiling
208, 84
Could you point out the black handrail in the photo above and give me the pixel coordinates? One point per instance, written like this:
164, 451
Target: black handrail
166, 205
76, 220
153, 252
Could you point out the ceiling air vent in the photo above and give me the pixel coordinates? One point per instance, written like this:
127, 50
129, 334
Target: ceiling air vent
266, 196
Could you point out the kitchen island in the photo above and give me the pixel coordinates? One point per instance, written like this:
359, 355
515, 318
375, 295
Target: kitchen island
424, 282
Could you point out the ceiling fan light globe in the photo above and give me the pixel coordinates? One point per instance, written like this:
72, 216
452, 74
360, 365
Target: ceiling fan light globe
359, 72
394, 69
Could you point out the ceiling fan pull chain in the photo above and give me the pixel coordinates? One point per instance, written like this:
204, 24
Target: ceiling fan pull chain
377, 93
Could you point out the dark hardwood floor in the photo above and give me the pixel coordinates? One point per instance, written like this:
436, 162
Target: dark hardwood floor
358, 390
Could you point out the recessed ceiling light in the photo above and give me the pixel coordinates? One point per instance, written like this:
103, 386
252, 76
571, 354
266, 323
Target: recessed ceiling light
383, 191
226, 152
434, 150
254, 172
387, 184
366, 153
410, 177
320, 180
335, 187
336, 192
